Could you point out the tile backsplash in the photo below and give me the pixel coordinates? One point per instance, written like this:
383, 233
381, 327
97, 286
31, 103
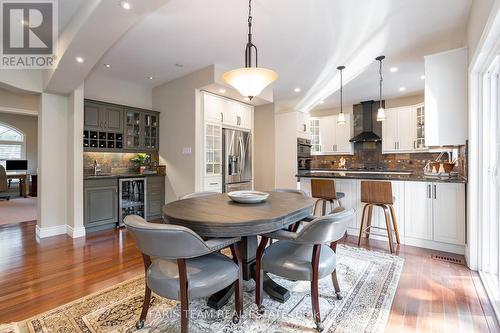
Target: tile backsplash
114, 163
369, 155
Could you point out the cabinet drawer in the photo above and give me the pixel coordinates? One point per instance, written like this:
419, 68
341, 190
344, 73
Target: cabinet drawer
88, 183
213, 184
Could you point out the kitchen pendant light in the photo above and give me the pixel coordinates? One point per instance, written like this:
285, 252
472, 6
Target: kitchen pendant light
250, 81
341, 117
381, 110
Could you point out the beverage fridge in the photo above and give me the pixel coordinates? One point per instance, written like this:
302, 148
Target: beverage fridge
132, 198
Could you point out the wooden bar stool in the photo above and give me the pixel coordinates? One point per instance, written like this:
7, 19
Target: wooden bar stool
324, 191
378, 194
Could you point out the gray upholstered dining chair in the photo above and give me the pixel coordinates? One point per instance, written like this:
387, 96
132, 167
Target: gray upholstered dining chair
180, 265
197, 195
4, 184
307, 255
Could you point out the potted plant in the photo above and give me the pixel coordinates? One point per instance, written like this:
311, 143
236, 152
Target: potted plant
140, 160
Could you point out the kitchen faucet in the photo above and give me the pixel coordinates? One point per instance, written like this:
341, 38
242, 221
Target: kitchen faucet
96, 168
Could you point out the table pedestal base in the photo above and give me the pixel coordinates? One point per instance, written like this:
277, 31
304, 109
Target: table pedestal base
247, 249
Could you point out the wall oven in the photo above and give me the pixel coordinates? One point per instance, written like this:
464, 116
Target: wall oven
303, 154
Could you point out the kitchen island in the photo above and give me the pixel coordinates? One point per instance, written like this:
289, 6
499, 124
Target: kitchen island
430, 211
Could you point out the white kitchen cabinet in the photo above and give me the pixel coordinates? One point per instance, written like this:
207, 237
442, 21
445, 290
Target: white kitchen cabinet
227, 112
334, 138
213, 149
303, 126
436, 211
449, 213
399, 130
214, 108
418, 217
213, 184
327, 134
446, 98
350, 187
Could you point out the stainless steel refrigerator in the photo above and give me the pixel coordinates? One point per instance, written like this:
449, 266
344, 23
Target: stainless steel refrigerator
237, 165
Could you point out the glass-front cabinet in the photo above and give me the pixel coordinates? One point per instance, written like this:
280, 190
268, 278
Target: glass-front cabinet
150, 131
420, 141
213, 150
133, 129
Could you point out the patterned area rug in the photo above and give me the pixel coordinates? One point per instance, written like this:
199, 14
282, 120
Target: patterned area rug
368, 281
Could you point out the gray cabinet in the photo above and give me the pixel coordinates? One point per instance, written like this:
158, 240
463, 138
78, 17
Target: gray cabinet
100, 204
113, 118
92, 116
155, 196
141, 130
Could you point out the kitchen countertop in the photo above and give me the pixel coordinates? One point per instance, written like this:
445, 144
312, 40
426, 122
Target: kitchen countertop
373, 175
122, 175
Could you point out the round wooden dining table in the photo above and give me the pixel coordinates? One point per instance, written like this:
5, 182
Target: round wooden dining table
218, 216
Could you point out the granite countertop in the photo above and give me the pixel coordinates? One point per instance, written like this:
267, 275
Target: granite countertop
352, 174
121, 175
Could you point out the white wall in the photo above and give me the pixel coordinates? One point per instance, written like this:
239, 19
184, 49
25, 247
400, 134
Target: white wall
480, 11
286, 149
52, 164
108, 89
74, 222
264, 147
180, 116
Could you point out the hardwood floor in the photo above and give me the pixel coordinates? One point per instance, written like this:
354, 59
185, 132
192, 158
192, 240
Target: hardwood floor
38, 275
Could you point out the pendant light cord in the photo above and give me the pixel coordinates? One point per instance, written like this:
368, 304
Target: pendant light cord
341, 92
381, 82
250, 45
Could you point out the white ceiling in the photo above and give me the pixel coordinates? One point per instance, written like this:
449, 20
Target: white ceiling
303, 41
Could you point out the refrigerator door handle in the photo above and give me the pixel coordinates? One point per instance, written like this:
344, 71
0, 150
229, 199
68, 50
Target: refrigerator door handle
242, 164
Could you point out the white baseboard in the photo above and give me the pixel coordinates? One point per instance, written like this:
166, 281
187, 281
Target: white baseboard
75, 232
60, 230
50, 231
423, 243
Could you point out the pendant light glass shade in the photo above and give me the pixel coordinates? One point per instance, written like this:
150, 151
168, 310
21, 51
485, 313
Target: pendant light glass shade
381, 114
250, 81
341, 119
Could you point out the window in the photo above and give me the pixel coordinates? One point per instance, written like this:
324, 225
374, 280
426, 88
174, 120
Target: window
12, 144
315, 142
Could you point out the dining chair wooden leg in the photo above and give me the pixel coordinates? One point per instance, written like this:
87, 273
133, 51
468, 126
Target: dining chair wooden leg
315, 287
147, 295
395, 223
369, 220
363, 215
259, 274
335, 281
388, 226
183, 284
238, 285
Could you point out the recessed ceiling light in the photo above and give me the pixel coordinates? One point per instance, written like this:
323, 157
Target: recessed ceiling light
402, 89
321, 102
393, 69
422, 77
79, 59
297, 89
222, 91
125, 5
107, 65
150, 77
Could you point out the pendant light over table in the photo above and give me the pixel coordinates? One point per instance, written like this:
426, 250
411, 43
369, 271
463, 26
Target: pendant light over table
250, 81
341, 117
381, 110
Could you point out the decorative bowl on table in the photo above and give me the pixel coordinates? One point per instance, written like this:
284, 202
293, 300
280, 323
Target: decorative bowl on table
248, 196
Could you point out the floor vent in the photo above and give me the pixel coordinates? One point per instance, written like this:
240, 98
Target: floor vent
449, 259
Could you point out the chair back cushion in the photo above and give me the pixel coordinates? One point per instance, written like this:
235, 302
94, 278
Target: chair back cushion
323, 189
4, 185
376, 192
165, 240
326, 229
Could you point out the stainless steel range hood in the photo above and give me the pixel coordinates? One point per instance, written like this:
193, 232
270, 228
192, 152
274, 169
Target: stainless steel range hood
366, 126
